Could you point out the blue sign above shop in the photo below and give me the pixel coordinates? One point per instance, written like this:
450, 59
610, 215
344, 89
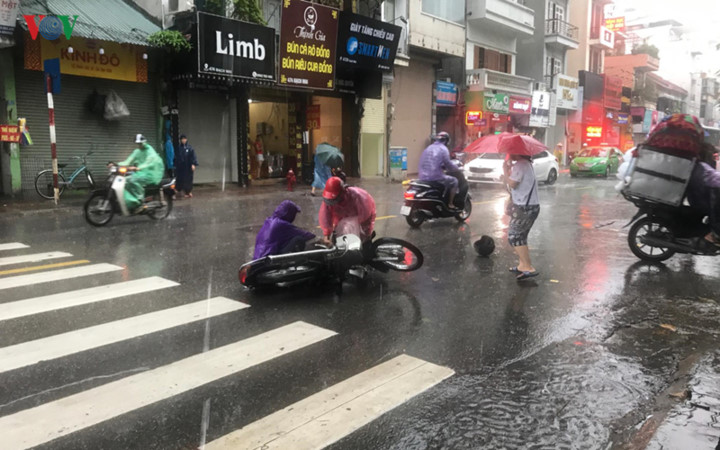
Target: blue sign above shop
446, 93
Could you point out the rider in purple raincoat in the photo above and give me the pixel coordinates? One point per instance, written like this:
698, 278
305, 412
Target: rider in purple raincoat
278, 235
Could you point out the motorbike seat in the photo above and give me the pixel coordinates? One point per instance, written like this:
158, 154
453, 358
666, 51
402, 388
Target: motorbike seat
428, 185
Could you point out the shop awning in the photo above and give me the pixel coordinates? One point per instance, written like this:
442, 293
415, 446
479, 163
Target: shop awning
106, 20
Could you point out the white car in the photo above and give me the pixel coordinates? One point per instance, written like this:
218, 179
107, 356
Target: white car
488, 168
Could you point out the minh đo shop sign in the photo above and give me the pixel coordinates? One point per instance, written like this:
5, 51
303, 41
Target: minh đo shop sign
235, 49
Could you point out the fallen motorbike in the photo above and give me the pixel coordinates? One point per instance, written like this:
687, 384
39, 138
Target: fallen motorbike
348, 257
425, 200
660, 231
104, 203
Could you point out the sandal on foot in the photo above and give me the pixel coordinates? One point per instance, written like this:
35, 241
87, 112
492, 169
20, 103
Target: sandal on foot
526, 275
515, 270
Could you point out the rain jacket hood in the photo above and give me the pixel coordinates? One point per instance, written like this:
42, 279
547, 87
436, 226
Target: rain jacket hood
278, 231
287, 210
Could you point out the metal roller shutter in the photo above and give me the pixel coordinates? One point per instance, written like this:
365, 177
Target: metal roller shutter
79, 130
373, 120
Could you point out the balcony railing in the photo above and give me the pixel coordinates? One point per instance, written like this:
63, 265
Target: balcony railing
489, 79
562, 28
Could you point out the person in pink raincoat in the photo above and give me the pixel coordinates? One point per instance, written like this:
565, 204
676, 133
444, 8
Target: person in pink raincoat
346, 210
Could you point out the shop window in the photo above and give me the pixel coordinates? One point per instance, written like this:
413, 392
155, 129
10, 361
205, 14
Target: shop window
493, 60
451, 10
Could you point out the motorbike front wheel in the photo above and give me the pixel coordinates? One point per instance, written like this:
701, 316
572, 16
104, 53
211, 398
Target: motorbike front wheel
397, 254
98, 209
278, 275
649, 227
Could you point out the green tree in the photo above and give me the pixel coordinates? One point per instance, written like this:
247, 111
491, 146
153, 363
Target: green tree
647, 49
170, 40
248, 11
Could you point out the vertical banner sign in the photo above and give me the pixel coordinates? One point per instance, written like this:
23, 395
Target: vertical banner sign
613, 92
312, 115
308, 38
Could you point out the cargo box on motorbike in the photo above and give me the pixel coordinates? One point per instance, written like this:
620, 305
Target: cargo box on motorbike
660, 175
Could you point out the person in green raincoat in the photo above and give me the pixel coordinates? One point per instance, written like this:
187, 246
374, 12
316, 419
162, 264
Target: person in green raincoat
150, 169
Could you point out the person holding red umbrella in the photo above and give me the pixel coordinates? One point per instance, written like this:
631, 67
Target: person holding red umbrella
525, 205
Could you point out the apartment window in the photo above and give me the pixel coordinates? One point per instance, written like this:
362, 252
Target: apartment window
493, 60
173, 5
388, 10
596, 21
553, 66
452, 10
555, 11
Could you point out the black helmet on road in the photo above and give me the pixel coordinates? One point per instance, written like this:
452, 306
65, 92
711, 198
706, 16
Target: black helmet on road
443, 137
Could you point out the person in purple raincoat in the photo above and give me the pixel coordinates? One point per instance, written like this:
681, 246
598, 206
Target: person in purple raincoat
278, 235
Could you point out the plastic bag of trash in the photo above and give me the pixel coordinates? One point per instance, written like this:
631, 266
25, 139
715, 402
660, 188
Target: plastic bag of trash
115, 107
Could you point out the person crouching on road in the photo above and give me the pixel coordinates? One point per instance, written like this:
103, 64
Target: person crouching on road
185, 164
523, 210
278, 235
346, 210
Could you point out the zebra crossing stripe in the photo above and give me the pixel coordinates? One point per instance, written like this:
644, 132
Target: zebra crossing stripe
53, 420
12, 246
56, 275
328, 416
32, 258
37, 305
57, 346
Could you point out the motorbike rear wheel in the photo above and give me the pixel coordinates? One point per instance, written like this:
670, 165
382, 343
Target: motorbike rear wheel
160, 212
397, 254
650, 226
415, 218
467, 210
98, 209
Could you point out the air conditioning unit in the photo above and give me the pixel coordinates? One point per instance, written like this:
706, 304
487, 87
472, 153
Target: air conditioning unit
539, 86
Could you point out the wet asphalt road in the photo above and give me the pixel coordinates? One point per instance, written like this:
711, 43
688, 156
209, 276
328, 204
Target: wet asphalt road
578, 358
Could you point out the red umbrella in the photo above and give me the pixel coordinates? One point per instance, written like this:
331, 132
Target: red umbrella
512, 144
520, 144
486, 144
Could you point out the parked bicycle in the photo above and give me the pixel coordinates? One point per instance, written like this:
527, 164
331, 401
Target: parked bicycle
44, 178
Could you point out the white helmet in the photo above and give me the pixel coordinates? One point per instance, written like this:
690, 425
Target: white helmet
140, 139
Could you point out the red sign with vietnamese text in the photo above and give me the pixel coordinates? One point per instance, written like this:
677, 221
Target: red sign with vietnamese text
615, 24
520, 105
9, 133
